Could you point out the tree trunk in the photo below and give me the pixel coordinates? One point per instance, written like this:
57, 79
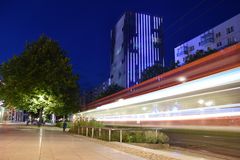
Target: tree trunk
40, 117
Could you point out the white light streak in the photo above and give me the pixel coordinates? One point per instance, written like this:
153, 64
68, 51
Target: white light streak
215, 80
182, 79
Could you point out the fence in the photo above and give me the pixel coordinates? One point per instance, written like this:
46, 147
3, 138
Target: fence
122, 134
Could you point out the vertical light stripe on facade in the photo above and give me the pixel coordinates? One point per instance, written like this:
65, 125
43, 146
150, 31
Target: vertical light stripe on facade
154, 24
141, 40
149, 40
149, 55
152, 49
128, 69
139, 51
142, 55
154, 36
144, 46
145, 42
159, 24
133, 68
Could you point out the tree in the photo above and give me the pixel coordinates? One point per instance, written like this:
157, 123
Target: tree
40, 80
152, 71
172, 66
113, 88
199, 54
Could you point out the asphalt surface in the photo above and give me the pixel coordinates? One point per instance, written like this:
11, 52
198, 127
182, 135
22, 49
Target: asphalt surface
220, 142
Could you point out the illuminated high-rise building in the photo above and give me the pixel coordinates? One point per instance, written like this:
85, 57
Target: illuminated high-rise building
137, 43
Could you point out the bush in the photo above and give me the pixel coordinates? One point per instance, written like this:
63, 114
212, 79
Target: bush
84, 123
144, 137
152, 138
60, 124
133, 136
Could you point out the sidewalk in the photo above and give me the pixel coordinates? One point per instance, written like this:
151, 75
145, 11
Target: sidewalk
48, 143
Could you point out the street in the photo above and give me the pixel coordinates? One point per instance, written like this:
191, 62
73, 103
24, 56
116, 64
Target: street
224, 143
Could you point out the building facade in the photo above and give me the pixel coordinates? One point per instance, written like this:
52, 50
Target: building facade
221, 36
137, 43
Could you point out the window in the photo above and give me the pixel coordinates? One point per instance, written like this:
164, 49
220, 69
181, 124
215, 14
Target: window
218, 34
185, 59
219, 44
119, 74
229, 29
179, 53
230, 40
191, 48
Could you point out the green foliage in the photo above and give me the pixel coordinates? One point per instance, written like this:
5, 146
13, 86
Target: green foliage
150, 137
156, 70
87, 123
199, 54
113, 88
60, 124
145, 137
84, 123
152, 71
40, 79
133, 136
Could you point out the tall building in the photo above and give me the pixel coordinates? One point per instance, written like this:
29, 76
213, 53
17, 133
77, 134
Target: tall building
137, 43
221, 36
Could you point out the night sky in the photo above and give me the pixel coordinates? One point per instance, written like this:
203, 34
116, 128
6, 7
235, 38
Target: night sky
83, 27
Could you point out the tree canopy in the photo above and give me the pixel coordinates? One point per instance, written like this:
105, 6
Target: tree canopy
113, 88
199, 54
152, 71
40, 79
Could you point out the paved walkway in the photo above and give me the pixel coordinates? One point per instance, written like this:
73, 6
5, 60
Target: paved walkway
22, 143
50, 143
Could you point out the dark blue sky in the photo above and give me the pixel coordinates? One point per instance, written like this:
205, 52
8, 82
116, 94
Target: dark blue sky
83, 27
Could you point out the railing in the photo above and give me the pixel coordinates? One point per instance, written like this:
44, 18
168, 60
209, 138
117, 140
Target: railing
117, 134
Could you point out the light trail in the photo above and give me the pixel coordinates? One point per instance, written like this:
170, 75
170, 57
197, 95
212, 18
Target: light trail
215, 80
212, 97
199, 113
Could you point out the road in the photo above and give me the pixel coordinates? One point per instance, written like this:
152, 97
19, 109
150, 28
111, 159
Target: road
31, 143
220, 142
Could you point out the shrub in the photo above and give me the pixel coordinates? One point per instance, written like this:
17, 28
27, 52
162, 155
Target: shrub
60, 124
144, 137
151, 137
133, 136
85, 123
